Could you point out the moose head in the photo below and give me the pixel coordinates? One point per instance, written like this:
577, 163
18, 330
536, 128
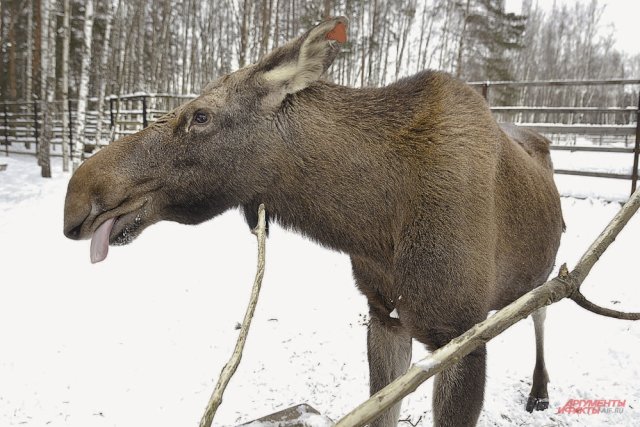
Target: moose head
211, 154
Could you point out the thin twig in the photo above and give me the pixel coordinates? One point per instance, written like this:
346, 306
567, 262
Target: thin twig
408, 420
567, 284
231, 366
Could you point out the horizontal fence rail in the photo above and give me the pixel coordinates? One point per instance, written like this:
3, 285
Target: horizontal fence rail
607, 124
614, 128
606, 82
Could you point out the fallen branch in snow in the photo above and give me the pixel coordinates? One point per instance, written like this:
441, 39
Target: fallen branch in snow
565, 285
231, 366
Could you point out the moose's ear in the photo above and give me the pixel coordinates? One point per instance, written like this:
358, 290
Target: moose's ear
302, 61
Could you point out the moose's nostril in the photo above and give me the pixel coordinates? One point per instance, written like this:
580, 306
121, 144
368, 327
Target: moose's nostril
73, 233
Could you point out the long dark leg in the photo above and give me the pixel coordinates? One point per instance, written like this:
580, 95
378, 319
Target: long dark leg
458, 392
388, 343
389, 355
539, 396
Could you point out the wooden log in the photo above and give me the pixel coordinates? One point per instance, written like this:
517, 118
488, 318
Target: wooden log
296, 416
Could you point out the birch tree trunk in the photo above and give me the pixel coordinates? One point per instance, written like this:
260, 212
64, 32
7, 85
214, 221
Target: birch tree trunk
373, 45
47, 63
83, 90
244, 32
66, 34
406, 23
276, 30
1, 36
28, 70
104, 59
36, 66
121, 13
185, 47
266, 26
461, 47
28, 93
12, 85
142, 18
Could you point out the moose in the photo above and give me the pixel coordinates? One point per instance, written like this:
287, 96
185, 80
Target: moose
445, 214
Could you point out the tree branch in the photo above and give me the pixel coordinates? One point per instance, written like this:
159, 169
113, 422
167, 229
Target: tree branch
567, 284
231, 366
583, 302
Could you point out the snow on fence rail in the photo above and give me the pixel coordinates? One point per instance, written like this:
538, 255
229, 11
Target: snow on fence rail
607, 126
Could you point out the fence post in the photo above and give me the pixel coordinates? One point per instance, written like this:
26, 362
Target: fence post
636, 150
70, 131
485, 91
35, 122
6, 130
144, 112
111, 117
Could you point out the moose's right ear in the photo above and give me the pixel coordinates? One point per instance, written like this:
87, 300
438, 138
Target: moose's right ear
297, 64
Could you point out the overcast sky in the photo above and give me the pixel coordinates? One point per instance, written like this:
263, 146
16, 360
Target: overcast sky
621, 15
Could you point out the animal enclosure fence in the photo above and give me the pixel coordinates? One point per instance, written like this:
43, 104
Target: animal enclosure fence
598, 116
584, 108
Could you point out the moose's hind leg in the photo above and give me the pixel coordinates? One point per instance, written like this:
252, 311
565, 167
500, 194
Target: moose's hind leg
539, 396
458, 392
389, 355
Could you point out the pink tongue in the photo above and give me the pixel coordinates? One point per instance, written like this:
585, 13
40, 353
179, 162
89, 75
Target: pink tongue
100, 241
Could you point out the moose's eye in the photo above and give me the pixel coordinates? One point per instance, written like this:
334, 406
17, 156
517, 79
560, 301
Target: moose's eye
200, 117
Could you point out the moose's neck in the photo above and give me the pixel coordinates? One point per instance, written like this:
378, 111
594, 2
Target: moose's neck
339, 178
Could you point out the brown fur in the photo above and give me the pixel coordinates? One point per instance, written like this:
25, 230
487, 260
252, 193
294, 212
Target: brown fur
445, 214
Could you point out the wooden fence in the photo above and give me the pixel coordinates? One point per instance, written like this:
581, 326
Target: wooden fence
614, 129
21, 125
605, 124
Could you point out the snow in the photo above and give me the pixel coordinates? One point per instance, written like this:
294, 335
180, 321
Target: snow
589, 161
426, 364
141, 338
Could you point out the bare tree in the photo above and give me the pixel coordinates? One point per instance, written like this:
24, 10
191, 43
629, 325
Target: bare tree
104, 59
266, 25
47, 58
406, 20
1, 34
83, 89
461, 38
36, 67
28, 89
28, 94
244, 32
140, 57
66, 35
12, 85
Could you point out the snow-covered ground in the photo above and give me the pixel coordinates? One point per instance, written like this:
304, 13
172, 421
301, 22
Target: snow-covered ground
140, 339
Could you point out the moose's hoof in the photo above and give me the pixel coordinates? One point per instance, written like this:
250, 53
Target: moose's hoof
537, 404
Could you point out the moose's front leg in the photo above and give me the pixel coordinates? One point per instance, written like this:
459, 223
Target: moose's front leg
388, 345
